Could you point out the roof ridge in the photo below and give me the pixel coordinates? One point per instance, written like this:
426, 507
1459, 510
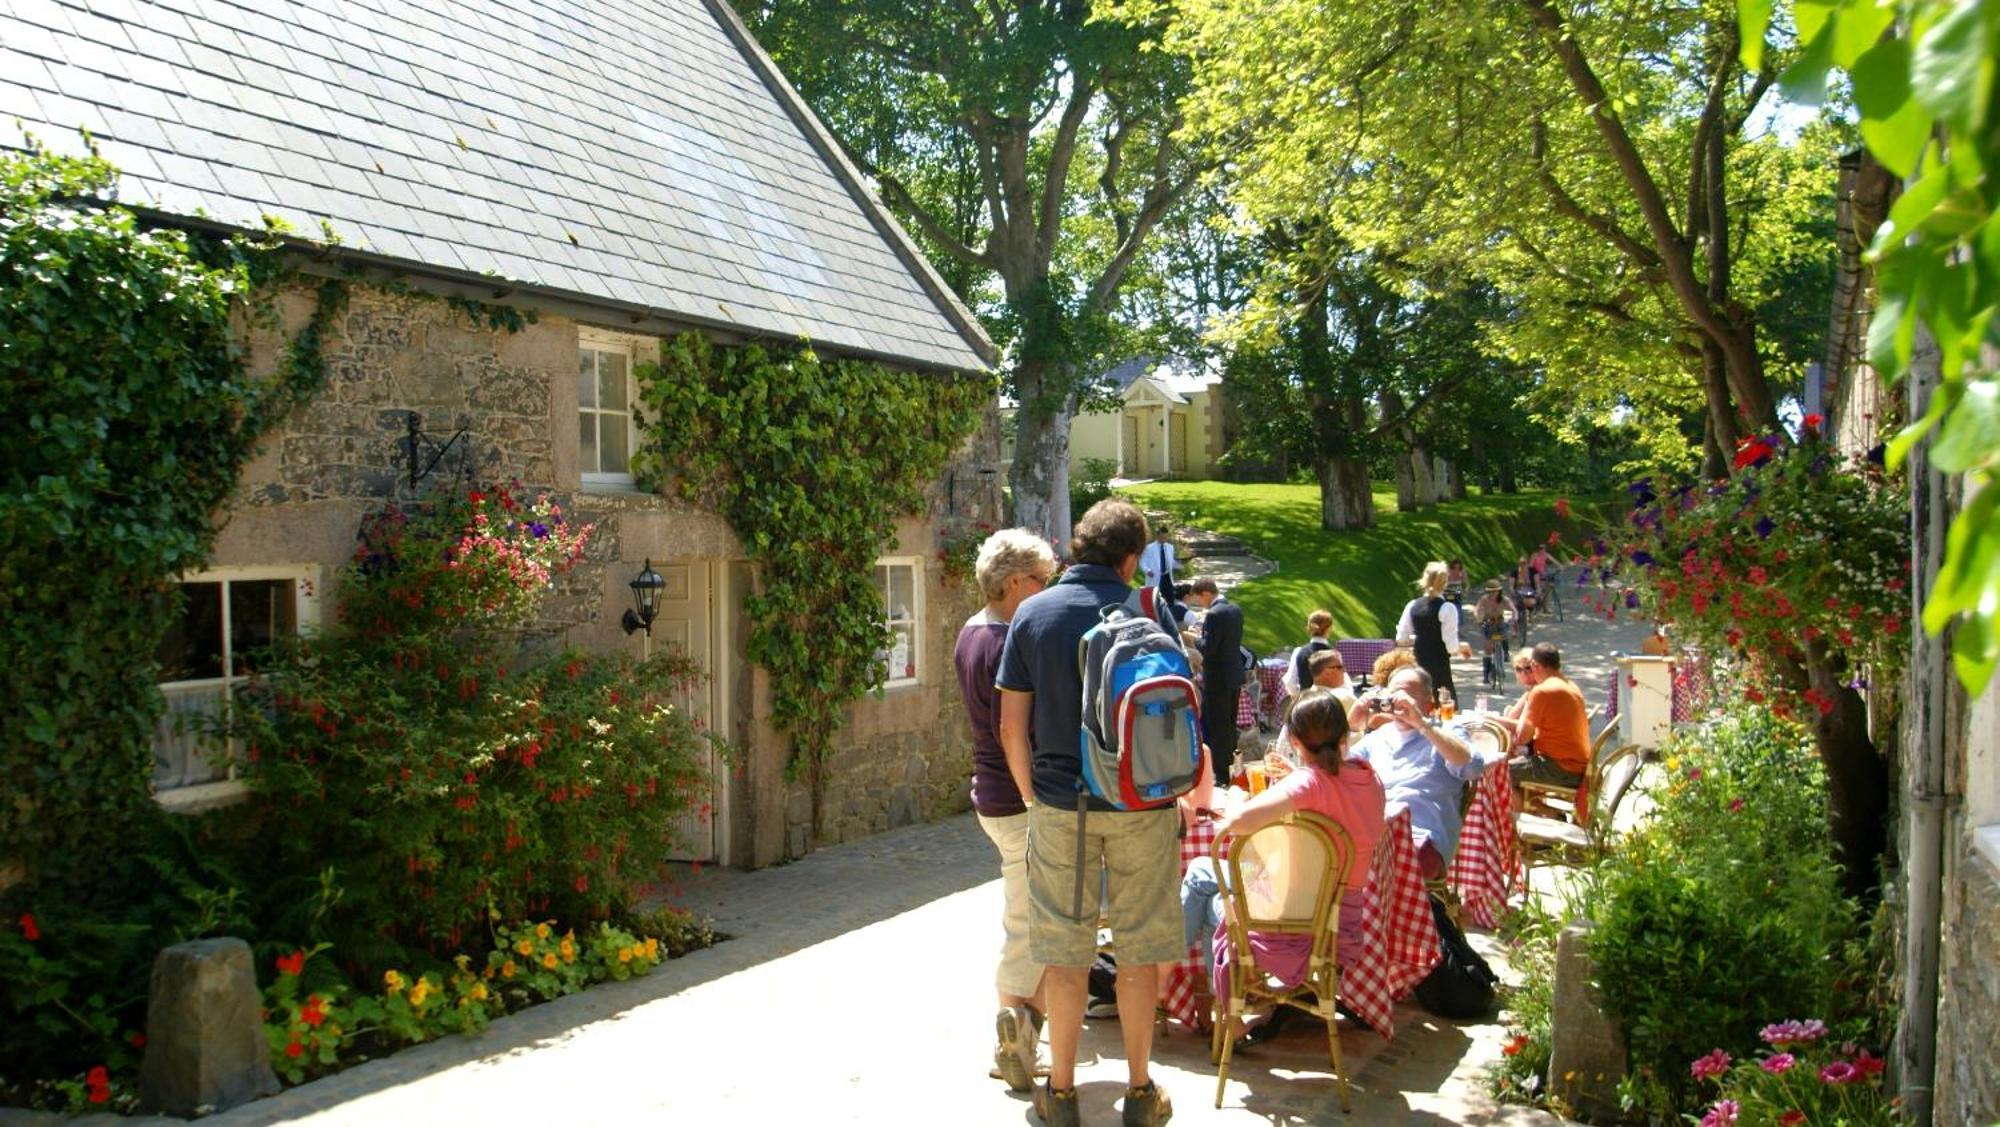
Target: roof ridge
829, 148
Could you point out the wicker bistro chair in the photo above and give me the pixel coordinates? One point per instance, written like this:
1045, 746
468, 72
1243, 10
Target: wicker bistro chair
1284, 879
1552, 841
1569, 804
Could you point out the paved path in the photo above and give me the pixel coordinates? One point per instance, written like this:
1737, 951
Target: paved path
857, 989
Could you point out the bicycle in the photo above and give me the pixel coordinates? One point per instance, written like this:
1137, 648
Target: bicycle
1524, 609
1554, 584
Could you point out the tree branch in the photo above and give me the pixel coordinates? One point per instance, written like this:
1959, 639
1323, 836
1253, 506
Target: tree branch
931, 226
1567, 206
1061, 152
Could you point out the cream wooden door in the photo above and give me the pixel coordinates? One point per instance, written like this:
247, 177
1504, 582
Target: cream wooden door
687, 622
1177, 440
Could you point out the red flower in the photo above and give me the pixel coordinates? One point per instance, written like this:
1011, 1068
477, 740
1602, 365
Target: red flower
582, 884
294, 963
1867, 1065
28, 929
138, 1040
294, 1049
311, 1013
1892, 624
476, 497
1562, 507
1736, 806
98, 1077
1813, 422
1513, 1048
1792, 1118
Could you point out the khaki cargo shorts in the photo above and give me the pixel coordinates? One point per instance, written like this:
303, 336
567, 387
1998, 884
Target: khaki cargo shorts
1139, 851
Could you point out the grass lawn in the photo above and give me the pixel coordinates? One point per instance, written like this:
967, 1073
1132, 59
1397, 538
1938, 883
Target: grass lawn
1362, 578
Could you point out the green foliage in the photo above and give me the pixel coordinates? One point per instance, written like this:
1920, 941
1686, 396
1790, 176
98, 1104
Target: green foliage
811, 460
444, 773
1089, 483
1929, 102
1362, 578
129, 413
1721, 913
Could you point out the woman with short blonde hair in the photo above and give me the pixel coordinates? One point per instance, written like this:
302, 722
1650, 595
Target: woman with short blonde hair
1007, 553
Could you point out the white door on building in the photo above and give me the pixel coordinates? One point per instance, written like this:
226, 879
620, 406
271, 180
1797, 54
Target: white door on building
687, 622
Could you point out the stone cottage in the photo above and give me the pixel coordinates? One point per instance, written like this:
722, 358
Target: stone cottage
620, 172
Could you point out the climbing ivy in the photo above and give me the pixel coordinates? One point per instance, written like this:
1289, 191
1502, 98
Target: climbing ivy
811, 459
129, 412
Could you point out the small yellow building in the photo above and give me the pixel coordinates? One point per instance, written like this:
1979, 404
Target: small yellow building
1169, 422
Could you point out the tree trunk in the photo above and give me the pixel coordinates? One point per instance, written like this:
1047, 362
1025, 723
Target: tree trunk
1723, 427
1857, 776
1458, 490
1344, 499
1040, 473
1508, 483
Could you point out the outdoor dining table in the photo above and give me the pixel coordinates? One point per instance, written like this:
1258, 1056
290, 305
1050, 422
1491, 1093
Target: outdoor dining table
1484, 868
1399, 938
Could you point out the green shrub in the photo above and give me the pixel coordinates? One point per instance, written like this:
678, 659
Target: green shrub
1723, 909
1089, 483
444, 774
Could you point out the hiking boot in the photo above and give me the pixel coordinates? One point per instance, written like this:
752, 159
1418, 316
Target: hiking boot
1147, 1106
1014, 1056
1058, 1109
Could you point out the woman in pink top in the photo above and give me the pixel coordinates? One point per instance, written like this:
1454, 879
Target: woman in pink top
1345, 790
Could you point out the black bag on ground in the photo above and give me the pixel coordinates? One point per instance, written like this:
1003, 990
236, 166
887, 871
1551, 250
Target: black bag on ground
1461, 984
1104, 979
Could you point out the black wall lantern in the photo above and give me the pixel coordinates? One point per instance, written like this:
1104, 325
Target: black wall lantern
646, 588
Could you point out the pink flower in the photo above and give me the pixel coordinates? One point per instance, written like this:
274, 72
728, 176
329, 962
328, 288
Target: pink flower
1714, 1064
1840, 1072
1723, 1114
1778, 1063
1736, 806
1793, 1032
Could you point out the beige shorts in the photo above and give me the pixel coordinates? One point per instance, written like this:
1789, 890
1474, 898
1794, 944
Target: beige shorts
1140, 853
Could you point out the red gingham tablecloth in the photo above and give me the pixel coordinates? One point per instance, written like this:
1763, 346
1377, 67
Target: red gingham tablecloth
1399, 937
1271, 686
1483, 869
1360, 653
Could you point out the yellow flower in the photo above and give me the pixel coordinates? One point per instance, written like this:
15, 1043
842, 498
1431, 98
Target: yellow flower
393, 981
507, 969
420, 992
524, 948
653, 949
624, 954
479, 991
464, 962
549, 961
568, 950
541, 931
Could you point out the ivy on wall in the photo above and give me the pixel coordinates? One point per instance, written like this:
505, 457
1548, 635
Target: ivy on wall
129, 412
811, 459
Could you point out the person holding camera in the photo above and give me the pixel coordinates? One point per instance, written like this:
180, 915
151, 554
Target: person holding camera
1422, 765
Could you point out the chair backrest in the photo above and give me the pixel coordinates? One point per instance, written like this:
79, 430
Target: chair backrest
1614, 777
1286, 876
1603, 739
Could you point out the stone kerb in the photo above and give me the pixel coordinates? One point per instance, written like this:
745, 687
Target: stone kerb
205, 1048
1587, 1054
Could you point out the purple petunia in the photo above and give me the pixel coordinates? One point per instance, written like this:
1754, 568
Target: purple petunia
538, 530
1643, 558
1764, 527
1631, 600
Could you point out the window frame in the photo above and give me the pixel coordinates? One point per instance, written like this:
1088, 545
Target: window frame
916, 617
593, 340
306, 583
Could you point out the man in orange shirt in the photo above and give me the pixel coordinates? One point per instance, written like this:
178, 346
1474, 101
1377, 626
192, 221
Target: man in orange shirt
1553, 725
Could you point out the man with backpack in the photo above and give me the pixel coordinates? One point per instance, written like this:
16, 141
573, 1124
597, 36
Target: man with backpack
1074, 831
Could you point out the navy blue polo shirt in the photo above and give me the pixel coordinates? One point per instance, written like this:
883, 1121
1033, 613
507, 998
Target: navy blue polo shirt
1040, 658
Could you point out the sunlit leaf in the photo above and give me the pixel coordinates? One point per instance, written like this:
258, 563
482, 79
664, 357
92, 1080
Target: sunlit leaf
1804, 81
1970, 435
1860, 26
1753, 17
1952, 69
1895, 125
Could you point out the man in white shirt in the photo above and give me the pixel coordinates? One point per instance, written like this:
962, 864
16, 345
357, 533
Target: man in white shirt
1157, 558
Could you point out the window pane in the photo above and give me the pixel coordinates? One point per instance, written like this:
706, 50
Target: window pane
192, 649
902, 599
260, 611
613, 431
611, 381
586, 441
586, 378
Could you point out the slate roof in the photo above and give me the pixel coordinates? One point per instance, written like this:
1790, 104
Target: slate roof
644, 158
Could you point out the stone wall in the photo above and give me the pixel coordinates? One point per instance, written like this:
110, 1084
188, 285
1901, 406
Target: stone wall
903, 757
1968, 1054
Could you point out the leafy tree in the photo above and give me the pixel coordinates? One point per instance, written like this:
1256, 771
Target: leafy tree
1593, 163
1029, 143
